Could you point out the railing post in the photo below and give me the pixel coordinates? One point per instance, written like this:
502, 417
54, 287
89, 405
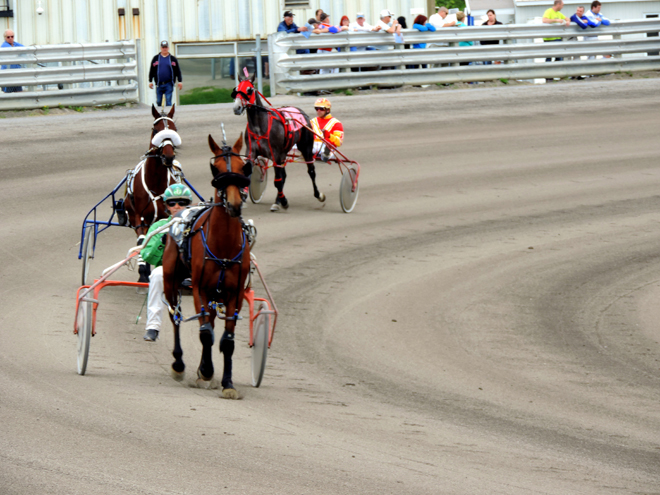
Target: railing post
617, 37
140, 71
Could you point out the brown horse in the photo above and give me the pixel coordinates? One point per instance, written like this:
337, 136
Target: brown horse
150, 179
219, 260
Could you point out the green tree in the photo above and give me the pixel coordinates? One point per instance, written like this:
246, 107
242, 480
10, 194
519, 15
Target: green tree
451, 4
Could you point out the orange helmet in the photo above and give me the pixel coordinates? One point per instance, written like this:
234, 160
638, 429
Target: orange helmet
322, 103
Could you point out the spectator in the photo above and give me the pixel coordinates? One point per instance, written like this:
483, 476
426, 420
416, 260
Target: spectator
360, 24
554, 16
460, 16
344, 24
388, 25
165, 70
325, 27
10, 43
595, 19
580, 19
491, 21
420, 23
439, 20
317, 14
288, 26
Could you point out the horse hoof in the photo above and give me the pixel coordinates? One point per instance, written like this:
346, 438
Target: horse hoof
321, 197
204, 384
229, 393
178, 375
275, 207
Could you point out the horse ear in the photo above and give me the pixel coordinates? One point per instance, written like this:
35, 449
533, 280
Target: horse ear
171, 111
154, 112
238, 145
214, 147
254, 76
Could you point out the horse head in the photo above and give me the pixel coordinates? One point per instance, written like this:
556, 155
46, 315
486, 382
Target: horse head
229, 177
164, 136
244, 94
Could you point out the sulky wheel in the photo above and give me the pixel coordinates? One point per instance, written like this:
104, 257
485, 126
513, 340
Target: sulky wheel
84, 325
348, 196
261, 329
258, 183
87, 252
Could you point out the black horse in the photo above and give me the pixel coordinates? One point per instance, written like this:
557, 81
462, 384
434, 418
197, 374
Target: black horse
271, 133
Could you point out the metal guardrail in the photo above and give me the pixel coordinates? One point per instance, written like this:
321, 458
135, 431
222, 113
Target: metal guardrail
520, 54
69, 75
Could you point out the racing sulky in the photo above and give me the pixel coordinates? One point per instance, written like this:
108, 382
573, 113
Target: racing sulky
272, 132
218, 257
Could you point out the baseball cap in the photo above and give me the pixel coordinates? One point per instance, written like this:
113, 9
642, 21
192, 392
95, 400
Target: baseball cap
164, 44
385, 13
359, 15
288, 13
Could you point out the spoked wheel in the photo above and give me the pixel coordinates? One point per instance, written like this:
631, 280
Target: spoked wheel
348, 196
260, 344
258, 183
87, 253
84, 323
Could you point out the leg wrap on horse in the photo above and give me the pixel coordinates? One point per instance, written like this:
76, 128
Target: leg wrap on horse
227, 349
205, 332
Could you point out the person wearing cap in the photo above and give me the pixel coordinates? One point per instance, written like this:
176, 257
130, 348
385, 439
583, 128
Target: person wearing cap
288, 26
327, 126
165, 71
360, 25
387, 24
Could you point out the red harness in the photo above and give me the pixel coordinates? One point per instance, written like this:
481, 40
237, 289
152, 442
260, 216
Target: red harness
249, 97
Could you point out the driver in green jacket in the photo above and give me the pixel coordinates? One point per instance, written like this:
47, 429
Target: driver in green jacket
176, 198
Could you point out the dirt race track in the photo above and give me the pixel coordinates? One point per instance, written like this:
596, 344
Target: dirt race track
484, 322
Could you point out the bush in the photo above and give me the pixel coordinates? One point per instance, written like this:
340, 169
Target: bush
210, 94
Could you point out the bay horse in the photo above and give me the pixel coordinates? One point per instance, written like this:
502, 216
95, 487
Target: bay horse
272, 132
149, 180
219, 262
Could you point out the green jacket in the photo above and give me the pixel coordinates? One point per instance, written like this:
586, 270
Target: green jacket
152, 253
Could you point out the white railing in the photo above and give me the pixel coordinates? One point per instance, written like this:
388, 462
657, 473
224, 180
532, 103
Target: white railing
522, 55
69, 75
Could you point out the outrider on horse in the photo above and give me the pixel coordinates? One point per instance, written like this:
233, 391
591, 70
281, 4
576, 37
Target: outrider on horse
146, 183
218, 258
272, 132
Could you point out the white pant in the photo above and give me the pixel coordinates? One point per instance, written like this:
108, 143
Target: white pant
326, 71
155, 305
318, 148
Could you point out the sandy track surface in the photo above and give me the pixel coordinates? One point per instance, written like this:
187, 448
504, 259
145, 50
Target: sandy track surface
484, 322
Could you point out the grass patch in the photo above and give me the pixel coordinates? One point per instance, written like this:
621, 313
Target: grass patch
346, 92
209, 94
46, 110
77, 109
504, 81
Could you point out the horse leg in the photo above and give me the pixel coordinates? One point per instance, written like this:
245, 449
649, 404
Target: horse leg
178, 366
206, 335
311, 170
280, 179
227, 349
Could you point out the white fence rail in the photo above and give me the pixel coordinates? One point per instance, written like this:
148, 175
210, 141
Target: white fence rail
69, 75
632, 45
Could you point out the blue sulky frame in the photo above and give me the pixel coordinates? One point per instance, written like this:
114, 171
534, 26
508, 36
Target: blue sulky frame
99, 225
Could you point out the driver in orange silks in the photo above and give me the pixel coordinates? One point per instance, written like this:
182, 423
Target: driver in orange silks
327, 126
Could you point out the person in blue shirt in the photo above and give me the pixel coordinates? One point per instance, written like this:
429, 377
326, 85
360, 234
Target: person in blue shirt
288, 26
10, 43
420, 23
165, 70
579, 18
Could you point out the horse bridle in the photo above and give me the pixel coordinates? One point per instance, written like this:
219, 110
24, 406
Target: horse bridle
159, 148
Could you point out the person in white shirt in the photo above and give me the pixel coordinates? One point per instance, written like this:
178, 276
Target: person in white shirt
439, 20
360, 24
387, 24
